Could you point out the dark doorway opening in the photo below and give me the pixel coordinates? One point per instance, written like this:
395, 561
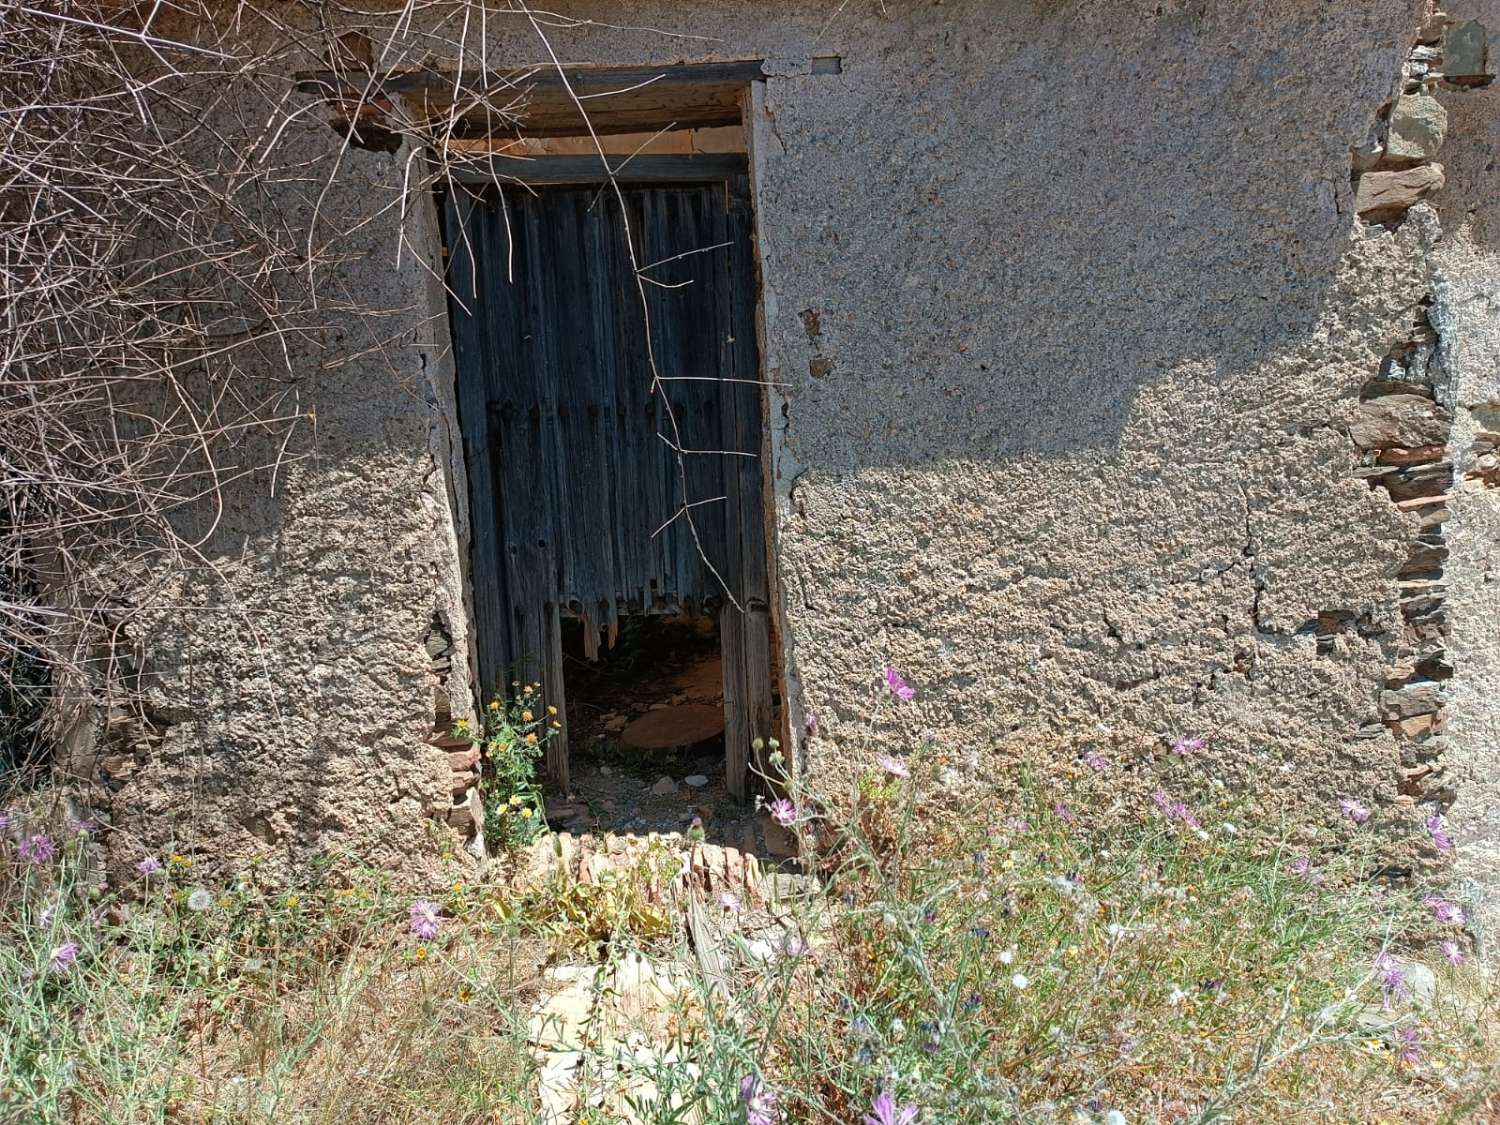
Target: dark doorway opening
612, 412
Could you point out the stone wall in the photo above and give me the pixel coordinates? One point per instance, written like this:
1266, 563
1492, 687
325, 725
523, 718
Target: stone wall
1103, 415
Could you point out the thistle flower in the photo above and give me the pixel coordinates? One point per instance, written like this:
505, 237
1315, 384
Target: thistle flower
1354, 810
1410, 1042
37, 848
1392, 979
759, 1101
1064, 813
1185, 745
62, 958
1451, 951
898, 686
730, 902
883, 1111
894, 766
149, 866
1302, 868
1440, 838
1095, 761
783, 812
199, 901
1443, 910
425, 922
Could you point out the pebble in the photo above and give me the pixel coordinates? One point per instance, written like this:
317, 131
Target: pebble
696, 780
664, 787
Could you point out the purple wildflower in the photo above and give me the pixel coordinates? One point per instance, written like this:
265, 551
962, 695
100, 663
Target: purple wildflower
1064, 813
1443, 910
1392, 979
1440, 838
898, 686
894, 766
149, 866
45, 919
794, 946
1186, 746
1095, 761
1354, 810
425, 922
1174, 810
730, 902
62, 958
4, 821
810, 722
1451, 951
83, 826
37, 849
783, 812
1302, 868
883, 1111
1410, 1043
759, 1101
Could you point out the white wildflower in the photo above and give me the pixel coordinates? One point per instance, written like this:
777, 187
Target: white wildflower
1020, 980
1007, 956
199, 901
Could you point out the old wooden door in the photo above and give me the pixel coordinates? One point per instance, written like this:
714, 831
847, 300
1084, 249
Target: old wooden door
576, 396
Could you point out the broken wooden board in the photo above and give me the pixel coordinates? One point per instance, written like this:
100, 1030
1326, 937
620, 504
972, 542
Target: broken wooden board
669, 727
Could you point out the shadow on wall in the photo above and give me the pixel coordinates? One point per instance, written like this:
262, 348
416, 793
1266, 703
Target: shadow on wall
1001, 246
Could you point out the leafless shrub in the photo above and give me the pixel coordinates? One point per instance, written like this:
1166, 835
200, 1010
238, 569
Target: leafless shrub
152, 264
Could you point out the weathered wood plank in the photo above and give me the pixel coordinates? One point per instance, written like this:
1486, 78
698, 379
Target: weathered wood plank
541, 171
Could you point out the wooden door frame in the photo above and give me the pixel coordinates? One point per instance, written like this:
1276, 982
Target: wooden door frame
752, 679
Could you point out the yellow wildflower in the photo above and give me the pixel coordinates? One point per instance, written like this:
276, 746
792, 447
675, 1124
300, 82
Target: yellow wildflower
515, 798
551, 710
458, 888
525, 812
556, 725
494, 705
291, 900
421, 953
526, 716
464, 993
531, 739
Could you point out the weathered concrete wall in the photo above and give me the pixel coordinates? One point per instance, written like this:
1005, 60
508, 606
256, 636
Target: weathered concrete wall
1071, 448
1466, 312
291, 675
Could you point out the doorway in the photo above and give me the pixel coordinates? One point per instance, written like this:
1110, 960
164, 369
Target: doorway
613, 428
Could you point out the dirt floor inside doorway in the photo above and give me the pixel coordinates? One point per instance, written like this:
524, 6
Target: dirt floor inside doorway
647, 737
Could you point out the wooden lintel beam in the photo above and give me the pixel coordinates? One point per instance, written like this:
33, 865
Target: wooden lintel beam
585, 81
540, 170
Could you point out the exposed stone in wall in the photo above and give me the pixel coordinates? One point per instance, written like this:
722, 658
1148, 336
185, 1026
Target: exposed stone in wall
1402, 431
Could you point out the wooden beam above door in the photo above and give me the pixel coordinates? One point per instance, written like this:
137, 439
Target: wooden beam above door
537, 101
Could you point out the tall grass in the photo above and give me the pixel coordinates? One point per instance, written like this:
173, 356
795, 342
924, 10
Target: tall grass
1181, 961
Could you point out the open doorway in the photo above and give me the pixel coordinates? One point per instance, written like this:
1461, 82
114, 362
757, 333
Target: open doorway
612, 408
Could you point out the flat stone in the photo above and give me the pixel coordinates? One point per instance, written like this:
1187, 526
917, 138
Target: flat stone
1398, 420
1417, 128
1386, 194
664, 787
1424, 698
696, 780
671, 727
1466, 52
